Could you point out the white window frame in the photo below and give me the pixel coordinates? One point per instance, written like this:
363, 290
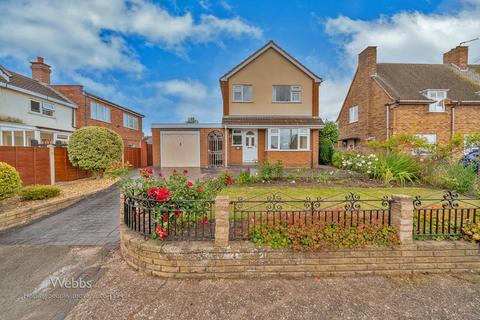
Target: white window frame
420, 151
237, 133
353, 114
100, 107
296, 88
439, 97
240, 88
130, 121
276, 132
48, 107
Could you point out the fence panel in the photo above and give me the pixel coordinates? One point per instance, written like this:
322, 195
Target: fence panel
133, 156
170, 220
64, 170
33, 163
444, 215
350, 211
149, 155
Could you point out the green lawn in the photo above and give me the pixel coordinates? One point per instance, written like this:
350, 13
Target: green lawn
302, 191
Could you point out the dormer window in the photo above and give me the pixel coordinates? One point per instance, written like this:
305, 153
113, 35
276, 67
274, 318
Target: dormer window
439, 97
242, 93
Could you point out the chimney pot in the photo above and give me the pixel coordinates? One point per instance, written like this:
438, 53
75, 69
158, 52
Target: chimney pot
40, 59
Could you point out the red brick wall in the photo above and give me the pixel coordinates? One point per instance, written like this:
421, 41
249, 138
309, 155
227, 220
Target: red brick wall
82, 114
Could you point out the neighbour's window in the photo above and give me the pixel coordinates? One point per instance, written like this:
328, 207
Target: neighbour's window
439, 98
17, 138
48, 109
99, 112
353, 114
130, 121
35, 106
236, 137
430, 138
288, 138
242, 93
286, 93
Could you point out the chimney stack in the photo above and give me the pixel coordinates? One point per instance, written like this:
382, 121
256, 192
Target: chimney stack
40, 70
368, 59
457, 56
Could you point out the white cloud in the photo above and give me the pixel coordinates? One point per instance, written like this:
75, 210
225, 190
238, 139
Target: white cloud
91, 33
185, 98
410, 37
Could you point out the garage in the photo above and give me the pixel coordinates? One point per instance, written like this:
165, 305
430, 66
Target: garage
180, 149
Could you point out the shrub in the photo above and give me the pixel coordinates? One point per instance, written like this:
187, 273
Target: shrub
117, 170
309, 237
245, 178
398, 168
337, 159
460, 178
268, 171
10, 181
39, 192
95, 148
326, 151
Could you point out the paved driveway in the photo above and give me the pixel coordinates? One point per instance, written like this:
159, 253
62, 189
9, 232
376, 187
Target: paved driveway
69, 245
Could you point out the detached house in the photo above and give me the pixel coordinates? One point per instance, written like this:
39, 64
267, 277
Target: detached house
433, 101
270, 112
31, 111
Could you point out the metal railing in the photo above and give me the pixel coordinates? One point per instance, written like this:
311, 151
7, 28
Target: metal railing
170, 220
280, 209
444, 215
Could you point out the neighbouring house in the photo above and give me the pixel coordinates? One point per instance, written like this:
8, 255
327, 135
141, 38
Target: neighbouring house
270, 112
96, 111
31, 111
433, 101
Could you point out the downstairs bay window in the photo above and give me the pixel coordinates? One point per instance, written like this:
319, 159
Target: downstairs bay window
285, 139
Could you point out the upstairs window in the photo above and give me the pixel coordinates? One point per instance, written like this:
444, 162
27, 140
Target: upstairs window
99, 112
439, 97
130, 121
242, 93
35, 106
48, 109
287, 93
353, 114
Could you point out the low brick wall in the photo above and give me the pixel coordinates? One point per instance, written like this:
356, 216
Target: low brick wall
244, 260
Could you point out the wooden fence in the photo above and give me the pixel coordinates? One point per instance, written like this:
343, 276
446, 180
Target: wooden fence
64, 170
33, 163
149, 155
133, 156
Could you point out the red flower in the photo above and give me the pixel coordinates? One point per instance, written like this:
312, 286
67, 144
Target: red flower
165, 218
199, 189
185, 171
146, 172
159, 229
177, 213
160, 175
163, 234
189, 183
159, 194
230, 181
204, 219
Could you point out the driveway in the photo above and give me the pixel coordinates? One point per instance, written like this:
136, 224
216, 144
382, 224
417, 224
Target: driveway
68, 246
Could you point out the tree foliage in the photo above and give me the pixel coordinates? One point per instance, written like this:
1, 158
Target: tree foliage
95, 148
330, 132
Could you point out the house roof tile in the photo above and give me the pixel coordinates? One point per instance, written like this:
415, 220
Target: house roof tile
272, 121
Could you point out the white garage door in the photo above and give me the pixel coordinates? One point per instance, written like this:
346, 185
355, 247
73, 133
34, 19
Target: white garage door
180, 149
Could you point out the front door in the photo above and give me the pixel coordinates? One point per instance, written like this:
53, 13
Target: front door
250, 146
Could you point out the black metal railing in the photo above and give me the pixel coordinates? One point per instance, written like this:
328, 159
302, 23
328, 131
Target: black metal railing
444, 215
170, 220
247, 214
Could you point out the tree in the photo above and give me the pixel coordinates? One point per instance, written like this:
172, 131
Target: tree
191, 120
95, 148
330, 132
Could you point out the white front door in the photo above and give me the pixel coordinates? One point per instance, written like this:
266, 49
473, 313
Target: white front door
250, 146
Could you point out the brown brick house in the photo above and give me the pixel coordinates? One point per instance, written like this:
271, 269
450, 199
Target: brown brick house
434, 101
92, 110
270, 112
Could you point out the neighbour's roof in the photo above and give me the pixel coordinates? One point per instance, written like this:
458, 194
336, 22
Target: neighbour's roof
272, 121
274, 46
404, 81
114, 104
31, 86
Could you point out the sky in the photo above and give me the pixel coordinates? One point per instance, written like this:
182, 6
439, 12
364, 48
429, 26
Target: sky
164, 58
